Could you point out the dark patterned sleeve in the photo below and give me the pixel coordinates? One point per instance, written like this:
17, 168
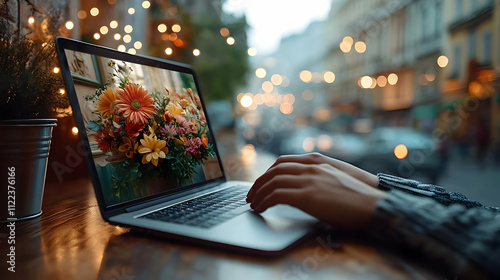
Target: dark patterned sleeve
462, 237
389, 182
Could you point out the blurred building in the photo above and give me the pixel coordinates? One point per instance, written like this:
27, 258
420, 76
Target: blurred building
470, 85
421, 63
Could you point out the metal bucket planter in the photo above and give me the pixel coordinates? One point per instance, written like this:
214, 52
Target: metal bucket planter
24, 152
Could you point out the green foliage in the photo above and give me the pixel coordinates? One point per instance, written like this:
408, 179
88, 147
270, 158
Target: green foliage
221, 68
29, 88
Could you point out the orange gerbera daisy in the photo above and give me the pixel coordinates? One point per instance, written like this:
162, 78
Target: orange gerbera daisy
106, 103
135, 103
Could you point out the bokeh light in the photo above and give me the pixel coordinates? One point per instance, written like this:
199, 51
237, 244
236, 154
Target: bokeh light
69, 25
392, 79
305, 76
162, 28
329, 77
442, 61
94, 12
260, 73
400, 151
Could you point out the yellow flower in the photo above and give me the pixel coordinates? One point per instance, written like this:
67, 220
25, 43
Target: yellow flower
174, 110
128, 147
153, 149
184, 103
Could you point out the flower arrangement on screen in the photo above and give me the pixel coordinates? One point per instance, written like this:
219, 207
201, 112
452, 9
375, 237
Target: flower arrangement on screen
148, 135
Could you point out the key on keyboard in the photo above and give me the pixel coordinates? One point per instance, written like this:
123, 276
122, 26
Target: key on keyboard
205, 211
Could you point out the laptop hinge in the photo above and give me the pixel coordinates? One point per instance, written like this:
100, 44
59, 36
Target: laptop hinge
169, 197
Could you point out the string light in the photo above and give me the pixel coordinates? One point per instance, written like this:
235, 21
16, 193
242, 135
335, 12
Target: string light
162, 28
82, 14
168, 51
128, 28
230, 41
176, 28
131, 11
31, 20
62, 91
74, 130
196, 52
260, 73
329, 77
113, 24
121, 48
138, 45
104, 30
56, 70
127, 38
146, 4
69, 25
117, 36
94, 11
97, 36
132, 51
252, 51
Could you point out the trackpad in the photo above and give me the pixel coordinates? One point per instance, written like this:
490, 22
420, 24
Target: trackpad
284, 217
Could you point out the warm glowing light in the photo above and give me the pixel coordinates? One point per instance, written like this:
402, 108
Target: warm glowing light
286, 108
329, 77
162, 28
74, 130
196, 52
127, 38
132, 51
104, 30
258, 99
252, 51
267, 86
113, 24
97, 36
260, 73
305, 76
324, 142
392, 79
82, 14
381, 81
117, 36
56, 70
442, 61
224, 32
176, 28
69, 25
138, 45
321, 114
230, 41
44, 44
168, 51
179, 43
131, 11
348, 40
128, 28
246, 101
62, 91
366, 81
430, 77
94, 11
400, 151
289, 98
344, 47
308, 144
146, 4
276, 79
121, 48
31, 20
360, 47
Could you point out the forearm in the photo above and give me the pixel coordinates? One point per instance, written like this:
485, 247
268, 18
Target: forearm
461, 239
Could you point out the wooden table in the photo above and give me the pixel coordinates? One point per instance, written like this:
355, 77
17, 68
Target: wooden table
71, 241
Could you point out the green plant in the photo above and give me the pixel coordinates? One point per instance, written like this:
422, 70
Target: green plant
29, 88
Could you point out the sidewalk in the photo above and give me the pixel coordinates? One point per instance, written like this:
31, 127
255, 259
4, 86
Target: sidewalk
466, 177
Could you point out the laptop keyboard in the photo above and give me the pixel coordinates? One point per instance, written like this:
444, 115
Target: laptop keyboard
205, 211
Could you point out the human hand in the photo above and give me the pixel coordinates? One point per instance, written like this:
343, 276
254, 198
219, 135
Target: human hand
317, 158
321, 190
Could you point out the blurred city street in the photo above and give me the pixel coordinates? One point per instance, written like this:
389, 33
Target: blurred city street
477, 183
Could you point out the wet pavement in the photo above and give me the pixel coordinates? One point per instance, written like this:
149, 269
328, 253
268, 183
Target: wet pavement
480, 183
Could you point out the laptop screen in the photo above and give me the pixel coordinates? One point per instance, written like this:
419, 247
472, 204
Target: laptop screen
146, 127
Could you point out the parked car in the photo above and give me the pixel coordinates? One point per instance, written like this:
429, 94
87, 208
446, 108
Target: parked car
404, 152
346, 147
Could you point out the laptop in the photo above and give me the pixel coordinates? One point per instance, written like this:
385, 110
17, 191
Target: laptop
153, 159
